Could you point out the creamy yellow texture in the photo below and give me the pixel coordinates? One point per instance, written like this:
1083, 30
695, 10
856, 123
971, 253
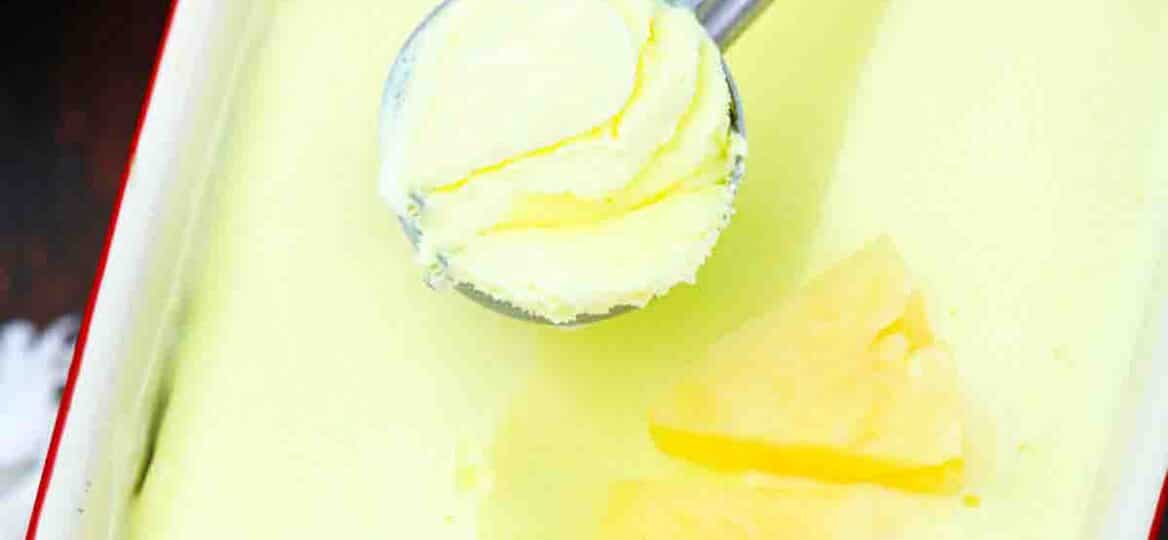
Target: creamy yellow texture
1014, 151
566, 157
713, 510
718, 510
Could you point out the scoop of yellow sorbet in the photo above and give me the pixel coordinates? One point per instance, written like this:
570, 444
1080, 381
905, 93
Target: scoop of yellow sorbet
568, 159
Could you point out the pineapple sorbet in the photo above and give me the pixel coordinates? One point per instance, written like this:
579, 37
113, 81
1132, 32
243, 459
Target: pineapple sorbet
575, 166
919, 326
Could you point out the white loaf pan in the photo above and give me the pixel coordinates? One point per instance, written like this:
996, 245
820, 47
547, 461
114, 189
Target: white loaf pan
103, 429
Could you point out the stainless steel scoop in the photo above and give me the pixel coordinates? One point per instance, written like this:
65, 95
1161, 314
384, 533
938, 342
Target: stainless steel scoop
725, 20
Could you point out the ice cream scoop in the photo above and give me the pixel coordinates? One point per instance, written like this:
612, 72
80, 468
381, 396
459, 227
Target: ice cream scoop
565, 162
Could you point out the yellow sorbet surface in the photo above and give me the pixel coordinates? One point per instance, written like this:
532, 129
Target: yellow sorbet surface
843, 382
705, 510
1016, 154
566, 157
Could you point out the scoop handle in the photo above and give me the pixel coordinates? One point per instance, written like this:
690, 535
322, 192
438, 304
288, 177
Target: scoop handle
725, 20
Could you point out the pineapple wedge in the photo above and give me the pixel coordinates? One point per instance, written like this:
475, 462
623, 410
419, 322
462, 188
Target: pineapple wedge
843, 383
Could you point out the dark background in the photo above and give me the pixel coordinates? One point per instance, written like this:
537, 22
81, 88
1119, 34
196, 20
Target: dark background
72, 77
73, 74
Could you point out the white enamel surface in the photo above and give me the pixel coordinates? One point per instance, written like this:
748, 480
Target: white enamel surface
1141, 452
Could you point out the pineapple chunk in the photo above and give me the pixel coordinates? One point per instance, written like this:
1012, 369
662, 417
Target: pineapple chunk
844, 383
707, 510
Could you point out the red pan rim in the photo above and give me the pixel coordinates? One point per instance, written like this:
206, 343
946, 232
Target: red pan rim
83, 334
